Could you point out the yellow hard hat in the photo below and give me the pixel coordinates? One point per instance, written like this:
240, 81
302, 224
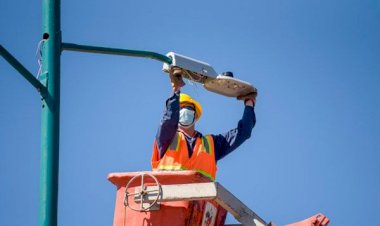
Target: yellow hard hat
185, 100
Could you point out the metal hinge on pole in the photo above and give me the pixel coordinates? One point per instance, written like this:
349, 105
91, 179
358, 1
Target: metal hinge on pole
43, 78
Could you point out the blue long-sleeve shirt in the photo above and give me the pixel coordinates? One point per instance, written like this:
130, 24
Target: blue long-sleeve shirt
224, 143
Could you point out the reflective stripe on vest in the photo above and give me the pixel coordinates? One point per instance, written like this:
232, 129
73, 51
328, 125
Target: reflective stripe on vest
206, 144
204, 173
174, 145
171, 167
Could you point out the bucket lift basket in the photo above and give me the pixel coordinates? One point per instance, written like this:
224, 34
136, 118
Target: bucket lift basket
182, 198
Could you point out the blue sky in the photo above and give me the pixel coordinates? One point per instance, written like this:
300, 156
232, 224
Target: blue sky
316, 64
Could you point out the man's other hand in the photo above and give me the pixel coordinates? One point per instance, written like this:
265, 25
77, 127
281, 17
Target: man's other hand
249, 99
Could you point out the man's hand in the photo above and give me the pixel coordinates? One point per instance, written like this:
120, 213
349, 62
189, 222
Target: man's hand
176, 78
249, 99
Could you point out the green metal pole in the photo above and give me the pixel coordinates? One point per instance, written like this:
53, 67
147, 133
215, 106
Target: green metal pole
115, 51
50, 77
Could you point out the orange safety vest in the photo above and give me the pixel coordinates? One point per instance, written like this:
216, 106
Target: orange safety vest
177, 156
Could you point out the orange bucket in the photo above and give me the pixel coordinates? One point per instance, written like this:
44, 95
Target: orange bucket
176, 213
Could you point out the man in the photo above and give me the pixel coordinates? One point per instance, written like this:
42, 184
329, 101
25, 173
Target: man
178, 146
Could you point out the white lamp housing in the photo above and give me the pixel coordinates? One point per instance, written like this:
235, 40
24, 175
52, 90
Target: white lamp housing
203, 73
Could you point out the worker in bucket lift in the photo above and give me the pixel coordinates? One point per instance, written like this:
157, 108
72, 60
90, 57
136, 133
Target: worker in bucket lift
178, 146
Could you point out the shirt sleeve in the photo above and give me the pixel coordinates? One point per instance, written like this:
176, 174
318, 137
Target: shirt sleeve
169, 124
228, 142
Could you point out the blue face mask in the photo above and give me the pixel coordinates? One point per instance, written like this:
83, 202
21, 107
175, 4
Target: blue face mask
186, 117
